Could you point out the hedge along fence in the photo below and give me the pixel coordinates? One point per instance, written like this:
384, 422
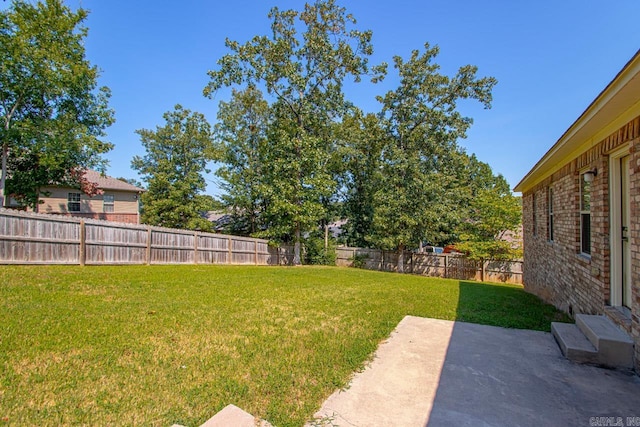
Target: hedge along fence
30, 238
452, 266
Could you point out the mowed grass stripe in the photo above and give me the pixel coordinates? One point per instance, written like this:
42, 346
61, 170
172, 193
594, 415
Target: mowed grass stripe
158, 345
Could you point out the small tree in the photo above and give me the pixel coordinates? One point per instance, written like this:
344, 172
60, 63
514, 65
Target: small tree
317, 251
51, 111
493, 211
177, 155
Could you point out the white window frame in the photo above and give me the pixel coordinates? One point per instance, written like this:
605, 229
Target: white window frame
108, 204
550, 218
73, 199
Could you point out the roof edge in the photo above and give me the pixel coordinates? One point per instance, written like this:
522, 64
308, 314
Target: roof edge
605, 95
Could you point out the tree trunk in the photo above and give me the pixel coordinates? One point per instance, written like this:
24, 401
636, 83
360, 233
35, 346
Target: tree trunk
401, 258
296, 247
3, 174
326, 238
5, 154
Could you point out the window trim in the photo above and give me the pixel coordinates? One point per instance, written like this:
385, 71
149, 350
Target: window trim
584, 214
106, 204
73, 199
550, 215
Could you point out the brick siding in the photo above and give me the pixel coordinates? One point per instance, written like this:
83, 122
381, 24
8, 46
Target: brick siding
556, 270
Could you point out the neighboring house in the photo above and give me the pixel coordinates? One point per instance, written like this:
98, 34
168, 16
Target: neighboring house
220, 219
581, 211
118, 202
336, 228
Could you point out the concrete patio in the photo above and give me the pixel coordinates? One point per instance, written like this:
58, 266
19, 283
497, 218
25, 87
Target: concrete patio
435, 373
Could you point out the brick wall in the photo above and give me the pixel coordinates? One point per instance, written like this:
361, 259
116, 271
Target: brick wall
556, 270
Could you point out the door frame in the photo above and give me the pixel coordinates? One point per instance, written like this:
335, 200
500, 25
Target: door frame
615, 224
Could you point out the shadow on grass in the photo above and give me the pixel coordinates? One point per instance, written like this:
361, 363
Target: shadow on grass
504, 305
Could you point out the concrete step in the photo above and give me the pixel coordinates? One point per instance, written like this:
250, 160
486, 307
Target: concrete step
230, 416
615, 347
573, 344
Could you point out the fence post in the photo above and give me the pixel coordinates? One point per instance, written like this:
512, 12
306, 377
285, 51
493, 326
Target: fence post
446, 266
229, 248
83, 243
483, 270
411, 261
148, 251
195, 247
255, 252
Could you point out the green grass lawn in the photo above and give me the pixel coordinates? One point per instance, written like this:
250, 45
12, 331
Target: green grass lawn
158, 345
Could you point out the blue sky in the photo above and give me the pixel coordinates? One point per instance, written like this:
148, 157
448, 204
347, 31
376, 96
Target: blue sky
551, 59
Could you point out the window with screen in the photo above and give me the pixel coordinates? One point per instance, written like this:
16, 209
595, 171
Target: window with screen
550, 215
585, 216
73, 202
108, 202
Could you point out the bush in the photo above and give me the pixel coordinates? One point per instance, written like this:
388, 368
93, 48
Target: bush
498, 250
315, 252
359, 260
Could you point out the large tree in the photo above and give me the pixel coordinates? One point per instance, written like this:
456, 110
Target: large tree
241, 142
173, 167
360, 140
51, 111
419, 193
302, 66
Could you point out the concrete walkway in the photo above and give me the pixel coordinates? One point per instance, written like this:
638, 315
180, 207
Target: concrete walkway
442, 373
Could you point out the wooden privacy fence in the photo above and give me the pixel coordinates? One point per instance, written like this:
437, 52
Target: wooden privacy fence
29, 238
452, 266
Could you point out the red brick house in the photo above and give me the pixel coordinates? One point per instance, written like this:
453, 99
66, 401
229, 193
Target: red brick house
118, 202
581, 211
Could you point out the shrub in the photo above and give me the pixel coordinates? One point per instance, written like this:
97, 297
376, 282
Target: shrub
315, 252
359, 260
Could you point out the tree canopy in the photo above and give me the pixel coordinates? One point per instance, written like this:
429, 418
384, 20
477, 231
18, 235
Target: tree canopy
241, 143
302, 67
295, 153
176, 157
492, 212
53, 113
421, 128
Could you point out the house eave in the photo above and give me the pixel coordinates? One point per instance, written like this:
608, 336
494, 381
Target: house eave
613, 107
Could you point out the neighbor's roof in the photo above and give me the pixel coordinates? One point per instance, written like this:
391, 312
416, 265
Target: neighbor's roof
614, 107
105, 182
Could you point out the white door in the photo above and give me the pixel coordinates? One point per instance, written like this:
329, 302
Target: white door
619, 233
625, 288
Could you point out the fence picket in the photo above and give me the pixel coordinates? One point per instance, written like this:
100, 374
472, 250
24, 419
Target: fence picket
32, 238
450, 266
